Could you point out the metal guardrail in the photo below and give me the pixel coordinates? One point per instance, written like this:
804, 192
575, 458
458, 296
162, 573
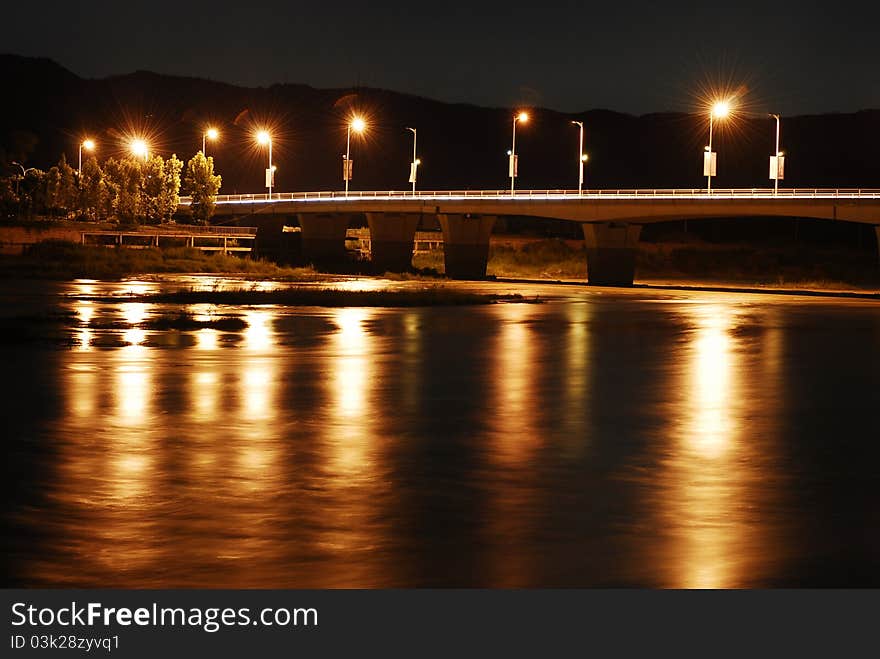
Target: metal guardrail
184, 230
553, 195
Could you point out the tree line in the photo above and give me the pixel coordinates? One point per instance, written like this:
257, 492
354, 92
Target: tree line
125, 190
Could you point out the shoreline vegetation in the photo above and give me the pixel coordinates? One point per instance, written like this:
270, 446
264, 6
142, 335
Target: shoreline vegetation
686, 265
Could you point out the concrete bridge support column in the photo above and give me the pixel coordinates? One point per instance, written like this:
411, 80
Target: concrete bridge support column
611, 253
323, 237
466, 244
391, 240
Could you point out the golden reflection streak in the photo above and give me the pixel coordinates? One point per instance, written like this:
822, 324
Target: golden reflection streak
350, 381
85, 311
354, 479
258, 449
512, 506
80, 389
712, 429
513, 412
712, 477
207, 338
129, 476
205, 390
576, 377
706, 475
259, 335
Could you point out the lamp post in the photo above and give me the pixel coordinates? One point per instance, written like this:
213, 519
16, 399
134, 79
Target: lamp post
582, 157
88, 145
264, 138
777, 160
211, 134
139, 148
23, 174
414, 165
720, 109
513, 161
358, 125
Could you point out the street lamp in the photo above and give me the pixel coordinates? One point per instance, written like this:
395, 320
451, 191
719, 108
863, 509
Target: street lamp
582, 157
358, 125
139, 148
264, 138
720, 110
88, 145
513, 161
777, 161
211, 134
414, 165
23, 174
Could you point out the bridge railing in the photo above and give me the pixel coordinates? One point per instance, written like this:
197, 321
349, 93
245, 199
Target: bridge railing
701, 193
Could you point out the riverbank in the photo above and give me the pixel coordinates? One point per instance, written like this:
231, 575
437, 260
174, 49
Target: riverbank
62, 260
689, 263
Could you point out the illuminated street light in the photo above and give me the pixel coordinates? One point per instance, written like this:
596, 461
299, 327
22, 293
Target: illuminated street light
582, 157
88, 145
719, 110
358, 125
264, 138
513, 160
139, 148
414, 165
777, 161
210, 134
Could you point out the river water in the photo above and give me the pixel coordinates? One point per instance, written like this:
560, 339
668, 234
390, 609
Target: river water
640, 437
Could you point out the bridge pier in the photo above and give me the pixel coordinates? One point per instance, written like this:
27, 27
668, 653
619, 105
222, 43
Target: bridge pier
391, 240
323, 237
466, 244
611, 252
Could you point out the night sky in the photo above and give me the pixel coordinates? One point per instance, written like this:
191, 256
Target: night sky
637, 57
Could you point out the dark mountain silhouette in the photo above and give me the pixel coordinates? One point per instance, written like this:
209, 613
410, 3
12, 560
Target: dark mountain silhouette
461, 146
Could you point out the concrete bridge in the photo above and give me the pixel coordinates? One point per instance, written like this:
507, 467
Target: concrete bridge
611, 220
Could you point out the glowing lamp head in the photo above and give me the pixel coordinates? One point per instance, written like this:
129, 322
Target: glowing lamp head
522, 117
584, 157
418, 161
139, 148
358, 125
88, 145
212, 134
721, 109
263, 137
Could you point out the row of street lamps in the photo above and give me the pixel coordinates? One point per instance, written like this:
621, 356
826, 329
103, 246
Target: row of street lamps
719, 110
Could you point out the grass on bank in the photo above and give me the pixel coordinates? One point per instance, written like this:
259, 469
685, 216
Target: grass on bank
696, 261
692, 261
58, 259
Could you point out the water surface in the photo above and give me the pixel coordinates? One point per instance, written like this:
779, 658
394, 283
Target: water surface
604, 438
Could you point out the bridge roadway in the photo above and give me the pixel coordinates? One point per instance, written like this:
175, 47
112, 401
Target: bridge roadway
611, 219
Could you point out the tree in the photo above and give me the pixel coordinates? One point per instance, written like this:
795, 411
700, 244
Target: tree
124, 179
61, 188
202, 186
94, 200
32, 192
169, 198
67, 192
52, 191
152, 188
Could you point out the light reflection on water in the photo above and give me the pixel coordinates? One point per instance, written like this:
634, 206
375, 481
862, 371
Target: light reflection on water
593, 440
